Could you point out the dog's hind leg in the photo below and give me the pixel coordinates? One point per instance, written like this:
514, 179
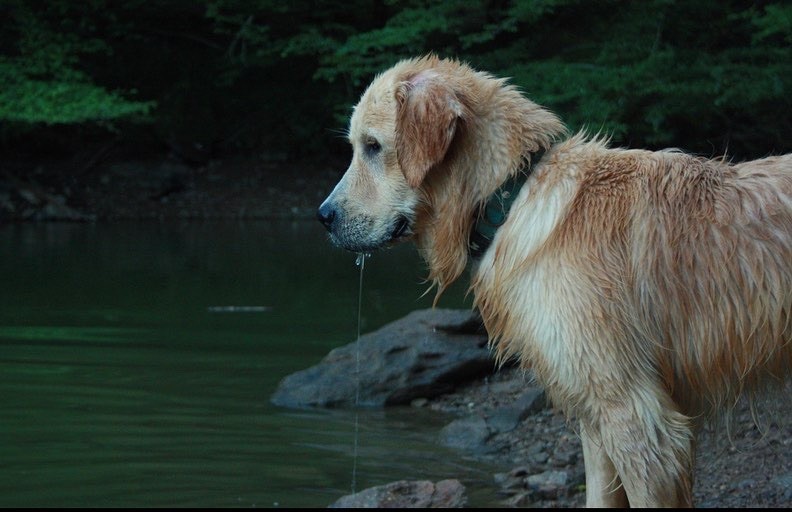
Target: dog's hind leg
603, 486
651, 446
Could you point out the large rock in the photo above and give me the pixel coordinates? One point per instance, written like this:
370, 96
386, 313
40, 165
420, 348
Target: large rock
475, 434
425, 354
407, 494
469, 435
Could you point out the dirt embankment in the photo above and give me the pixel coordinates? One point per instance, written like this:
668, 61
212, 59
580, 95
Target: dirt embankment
241, 188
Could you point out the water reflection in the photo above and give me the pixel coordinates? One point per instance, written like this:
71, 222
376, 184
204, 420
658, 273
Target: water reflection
121, 387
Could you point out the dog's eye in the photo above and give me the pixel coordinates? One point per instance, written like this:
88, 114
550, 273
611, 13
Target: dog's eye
372, 146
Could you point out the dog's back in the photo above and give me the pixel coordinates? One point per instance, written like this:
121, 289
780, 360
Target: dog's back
712, 275
683, 265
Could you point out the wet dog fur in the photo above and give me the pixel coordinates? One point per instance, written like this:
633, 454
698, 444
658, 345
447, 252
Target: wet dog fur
646, 290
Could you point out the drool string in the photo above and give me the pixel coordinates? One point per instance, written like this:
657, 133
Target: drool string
360, 262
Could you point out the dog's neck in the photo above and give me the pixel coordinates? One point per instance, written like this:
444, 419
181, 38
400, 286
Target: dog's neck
501, 130
496, 210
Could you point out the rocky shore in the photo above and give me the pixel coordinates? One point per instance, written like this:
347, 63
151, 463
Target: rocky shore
502, 415
744, 465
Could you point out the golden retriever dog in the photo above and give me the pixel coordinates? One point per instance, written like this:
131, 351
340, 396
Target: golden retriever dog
646, 290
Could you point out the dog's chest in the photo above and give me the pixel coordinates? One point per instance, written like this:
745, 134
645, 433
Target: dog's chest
534, 313
531, 299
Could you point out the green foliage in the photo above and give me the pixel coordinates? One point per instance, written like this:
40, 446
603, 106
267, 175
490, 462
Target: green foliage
639, 74
52, 102
775, 20
703, 75
700, 75
40, 79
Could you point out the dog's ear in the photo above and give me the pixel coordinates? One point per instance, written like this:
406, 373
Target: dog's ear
426, 121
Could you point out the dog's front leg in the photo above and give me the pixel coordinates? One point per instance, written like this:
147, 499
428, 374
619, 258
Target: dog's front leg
651, 446
603, 486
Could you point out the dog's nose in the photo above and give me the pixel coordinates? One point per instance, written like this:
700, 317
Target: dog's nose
326, 214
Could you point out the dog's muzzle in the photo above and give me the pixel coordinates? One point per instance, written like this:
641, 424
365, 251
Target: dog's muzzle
359, 234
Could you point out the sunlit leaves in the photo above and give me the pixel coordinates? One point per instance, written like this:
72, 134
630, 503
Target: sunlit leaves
41, 80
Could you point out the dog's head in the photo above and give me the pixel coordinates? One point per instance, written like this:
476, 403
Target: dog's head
432, 140
401, 128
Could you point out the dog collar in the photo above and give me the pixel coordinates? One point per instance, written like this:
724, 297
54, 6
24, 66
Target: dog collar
497, 207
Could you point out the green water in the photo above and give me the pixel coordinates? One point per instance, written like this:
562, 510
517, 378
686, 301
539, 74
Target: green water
120, 385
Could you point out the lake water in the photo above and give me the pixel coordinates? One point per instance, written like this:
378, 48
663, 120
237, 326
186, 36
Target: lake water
122, 384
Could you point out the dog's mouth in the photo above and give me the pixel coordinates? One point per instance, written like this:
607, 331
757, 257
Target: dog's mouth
353, 236
401, 228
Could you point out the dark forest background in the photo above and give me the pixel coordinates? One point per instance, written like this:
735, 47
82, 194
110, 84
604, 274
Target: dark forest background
101, 79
